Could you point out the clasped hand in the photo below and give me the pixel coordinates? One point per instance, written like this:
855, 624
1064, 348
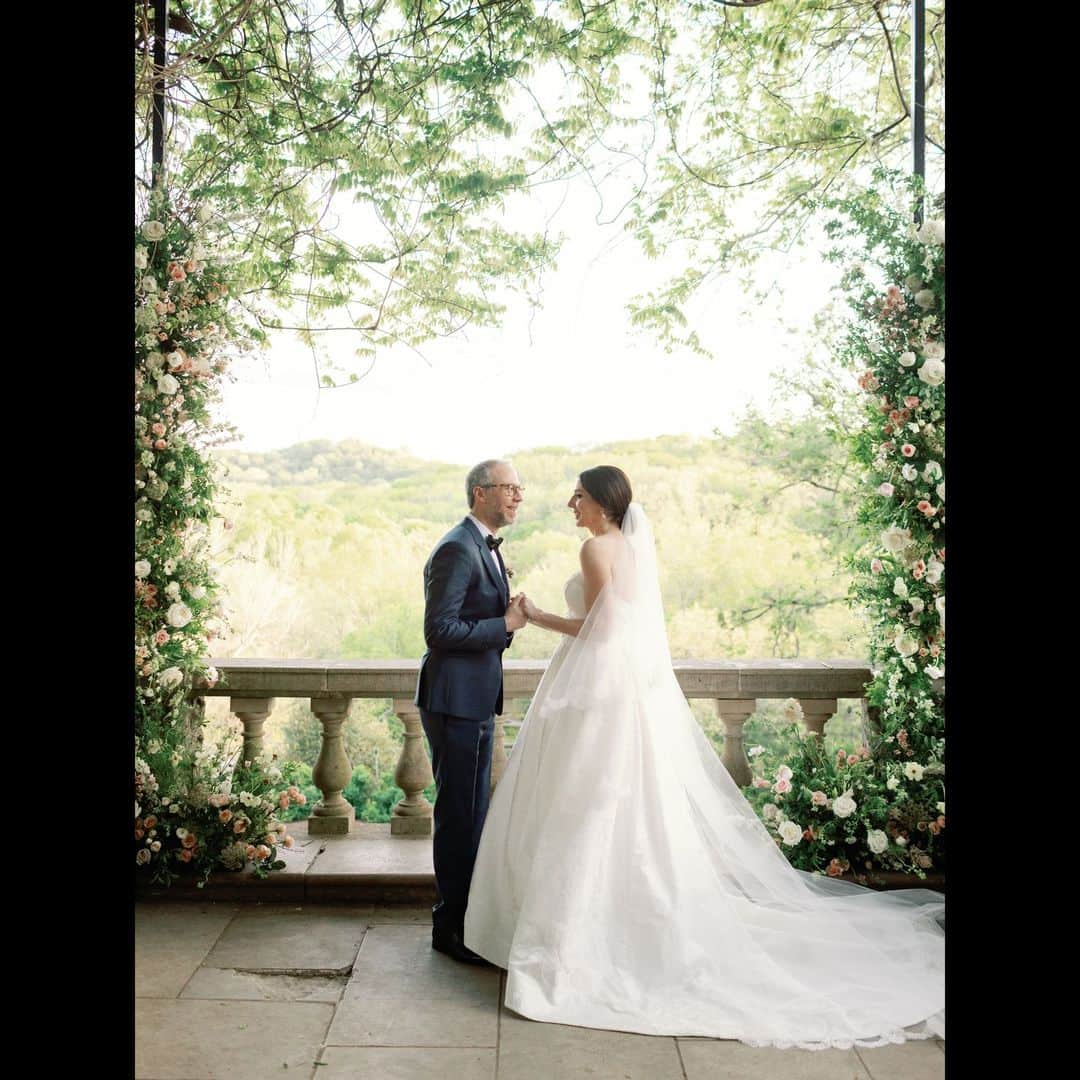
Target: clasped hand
519, 611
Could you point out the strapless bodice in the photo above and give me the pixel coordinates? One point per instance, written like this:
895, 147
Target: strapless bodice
574, 591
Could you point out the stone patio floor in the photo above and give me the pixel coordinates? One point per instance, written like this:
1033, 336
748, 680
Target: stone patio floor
321, 991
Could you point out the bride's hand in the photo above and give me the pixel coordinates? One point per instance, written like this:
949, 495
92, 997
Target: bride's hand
528, 607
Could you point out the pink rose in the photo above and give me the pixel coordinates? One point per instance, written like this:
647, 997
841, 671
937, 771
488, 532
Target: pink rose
176, 271
782, 787
819, 798
926, 508
908, 450
161, 637
160, 444
853, 759
760, 782
262, 852
225, 816
239, 825
886, 489
301, 799
911, 402
184, 855
918, 569
283, 800
158, 428
876, 566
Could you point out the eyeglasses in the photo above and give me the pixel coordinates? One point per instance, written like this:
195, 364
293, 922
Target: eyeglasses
510, 489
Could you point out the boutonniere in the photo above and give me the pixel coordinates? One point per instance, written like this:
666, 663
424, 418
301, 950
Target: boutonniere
509, 571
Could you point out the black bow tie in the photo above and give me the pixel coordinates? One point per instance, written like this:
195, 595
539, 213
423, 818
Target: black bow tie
494, 542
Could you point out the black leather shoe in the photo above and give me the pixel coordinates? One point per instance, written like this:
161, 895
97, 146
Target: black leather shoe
446, 941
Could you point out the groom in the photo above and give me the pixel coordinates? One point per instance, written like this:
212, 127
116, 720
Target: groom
469, 620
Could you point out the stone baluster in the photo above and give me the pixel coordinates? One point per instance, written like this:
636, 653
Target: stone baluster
498, 750
334, 815
252, 713
816, 713
734, 714
412, 815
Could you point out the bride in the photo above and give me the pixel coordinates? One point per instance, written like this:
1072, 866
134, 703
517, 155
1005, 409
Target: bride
624, 882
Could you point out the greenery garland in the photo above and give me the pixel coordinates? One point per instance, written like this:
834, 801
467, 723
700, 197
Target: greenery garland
185, 810
881, 806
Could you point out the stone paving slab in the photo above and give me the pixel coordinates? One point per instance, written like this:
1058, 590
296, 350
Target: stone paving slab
369, 848
226, 984
400, 960
532, 1051
227, 1040
405, 1063
172, 941
443, 1018
724, 1059
915, 1060
290, 938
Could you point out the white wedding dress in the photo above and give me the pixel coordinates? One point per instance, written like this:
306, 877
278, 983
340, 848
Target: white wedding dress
624, 882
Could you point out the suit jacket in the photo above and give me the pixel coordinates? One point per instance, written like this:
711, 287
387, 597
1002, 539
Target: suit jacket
465, 598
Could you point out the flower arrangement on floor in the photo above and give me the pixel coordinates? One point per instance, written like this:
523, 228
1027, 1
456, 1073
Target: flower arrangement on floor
185, 813
881, 806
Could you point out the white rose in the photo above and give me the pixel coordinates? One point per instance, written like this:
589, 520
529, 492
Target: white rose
153, 230
905, 645
155, 362
907, 359
142, 568
901, 841
178, 615
940, 489
142, 258
149, 284
171, 677
197, 592
925, 299
913, 770
939, 603
935, 671
932, 372
175, 361
172, 590
892, 783
768, 811
790, 833
167, 385
844, 806
932, 471
894, 539
909, 472
917, 605
934, 570
932, 231
877, 841
899, 587
933, 350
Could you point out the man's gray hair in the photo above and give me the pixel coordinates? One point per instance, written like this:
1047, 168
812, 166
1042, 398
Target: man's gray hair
479, 475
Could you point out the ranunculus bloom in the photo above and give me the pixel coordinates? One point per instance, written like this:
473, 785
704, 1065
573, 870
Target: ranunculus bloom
908, 450
790, 833
932, 372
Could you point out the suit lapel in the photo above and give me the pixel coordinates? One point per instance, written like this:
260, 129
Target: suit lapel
485, 557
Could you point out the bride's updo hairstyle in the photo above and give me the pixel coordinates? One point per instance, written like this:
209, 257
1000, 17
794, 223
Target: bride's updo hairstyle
610, 487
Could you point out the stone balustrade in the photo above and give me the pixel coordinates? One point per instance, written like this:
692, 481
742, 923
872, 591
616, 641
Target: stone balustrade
253, 685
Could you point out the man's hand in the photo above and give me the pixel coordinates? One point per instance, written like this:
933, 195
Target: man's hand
515, 614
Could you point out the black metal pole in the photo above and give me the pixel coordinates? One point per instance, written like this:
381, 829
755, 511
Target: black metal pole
918, 96
161, 20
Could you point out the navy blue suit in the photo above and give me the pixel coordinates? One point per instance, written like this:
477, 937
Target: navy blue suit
459, 692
